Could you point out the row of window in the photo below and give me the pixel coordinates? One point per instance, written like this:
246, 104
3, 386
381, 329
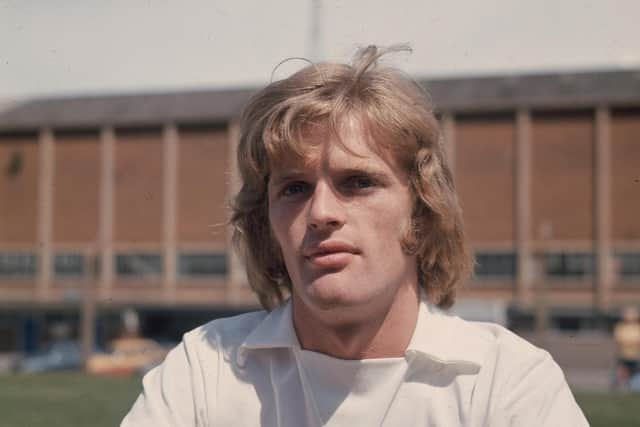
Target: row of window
127, 265
489, 265
556, 265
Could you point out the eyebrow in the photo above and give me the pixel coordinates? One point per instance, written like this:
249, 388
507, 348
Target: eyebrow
364, 170
296, 174
279, 178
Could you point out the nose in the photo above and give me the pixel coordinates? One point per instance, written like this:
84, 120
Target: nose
326, 210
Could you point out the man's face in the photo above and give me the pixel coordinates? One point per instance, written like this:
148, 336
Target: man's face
339, 218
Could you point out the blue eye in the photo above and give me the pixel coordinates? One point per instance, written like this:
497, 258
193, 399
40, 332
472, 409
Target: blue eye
294, 188
364, 183
360, 182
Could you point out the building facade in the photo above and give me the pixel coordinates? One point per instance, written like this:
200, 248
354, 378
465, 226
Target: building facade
123, 201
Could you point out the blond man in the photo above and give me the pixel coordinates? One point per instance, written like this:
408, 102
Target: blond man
352, 235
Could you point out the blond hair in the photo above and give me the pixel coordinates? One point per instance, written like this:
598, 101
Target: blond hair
399, 114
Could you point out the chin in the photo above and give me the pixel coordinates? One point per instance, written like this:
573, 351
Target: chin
330, 293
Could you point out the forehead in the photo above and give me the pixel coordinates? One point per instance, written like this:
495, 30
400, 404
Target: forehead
351, 145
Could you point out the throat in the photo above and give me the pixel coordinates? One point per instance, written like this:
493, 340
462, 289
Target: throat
346, 336
353, 342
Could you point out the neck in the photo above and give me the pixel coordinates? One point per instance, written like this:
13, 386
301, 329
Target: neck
359, 333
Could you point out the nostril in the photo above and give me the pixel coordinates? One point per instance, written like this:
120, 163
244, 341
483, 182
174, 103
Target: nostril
324, 224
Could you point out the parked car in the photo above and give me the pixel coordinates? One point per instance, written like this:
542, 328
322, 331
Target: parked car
61, 355
128, 356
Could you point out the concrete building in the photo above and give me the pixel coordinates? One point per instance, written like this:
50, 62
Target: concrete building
122, 201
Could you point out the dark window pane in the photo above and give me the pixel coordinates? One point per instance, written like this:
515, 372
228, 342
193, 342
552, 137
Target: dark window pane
69, 264
495, 265
18, 264
569, 264
138, 264
200, 264
629, 264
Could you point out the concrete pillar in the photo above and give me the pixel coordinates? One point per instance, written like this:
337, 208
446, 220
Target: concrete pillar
523, 209
170, 138
45, 212
602, 207
449, 131
88, 313
106, 215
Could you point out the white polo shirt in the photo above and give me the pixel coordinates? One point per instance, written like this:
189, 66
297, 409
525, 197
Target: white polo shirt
249, 370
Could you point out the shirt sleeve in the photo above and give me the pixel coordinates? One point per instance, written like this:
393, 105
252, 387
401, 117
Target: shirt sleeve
167, 398
537, 394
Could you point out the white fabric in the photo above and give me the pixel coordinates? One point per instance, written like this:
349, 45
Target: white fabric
328, 381
249, 370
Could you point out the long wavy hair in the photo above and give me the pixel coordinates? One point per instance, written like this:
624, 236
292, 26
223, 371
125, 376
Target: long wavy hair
399, 115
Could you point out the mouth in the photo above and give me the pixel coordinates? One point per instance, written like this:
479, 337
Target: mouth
330, 254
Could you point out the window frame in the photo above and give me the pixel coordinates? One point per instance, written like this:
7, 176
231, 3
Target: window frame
509, 257
215, 273
141, 256
566, 270
31, 265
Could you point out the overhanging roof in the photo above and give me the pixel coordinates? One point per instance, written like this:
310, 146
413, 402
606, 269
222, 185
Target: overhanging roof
207, 106
541, 91
473, 94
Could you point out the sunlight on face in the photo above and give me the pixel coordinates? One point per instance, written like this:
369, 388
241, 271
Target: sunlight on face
339, 218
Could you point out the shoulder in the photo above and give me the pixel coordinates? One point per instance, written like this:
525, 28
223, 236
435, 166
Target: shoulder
521, 383
221, 338
506, 343
448, 338
179, 390
509, 358
227, 331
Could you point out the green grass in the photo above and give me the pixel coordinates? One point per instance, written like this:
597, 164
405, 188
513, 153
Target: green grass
610, 409
65, 399
74, 399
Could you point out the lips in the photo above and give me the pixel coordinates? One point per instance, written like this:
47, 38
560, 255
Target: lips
330, 254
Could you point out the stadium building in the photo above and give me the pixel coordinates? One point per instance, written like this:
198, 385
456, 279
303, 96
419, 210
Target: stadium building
114, 202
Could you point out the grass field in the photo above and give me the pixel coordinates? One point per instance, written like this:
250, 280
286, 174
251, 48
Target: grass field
610, 410
70, 399
65, 399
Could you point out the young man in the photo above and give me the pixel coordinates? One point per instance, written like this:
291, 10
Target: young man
353, 242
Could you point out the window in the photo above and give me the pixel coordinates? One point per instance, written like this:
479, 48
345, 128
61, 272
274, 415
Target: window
202, 264
571, 265
68, 264
495, 265
629, 264
138, 264
18, 265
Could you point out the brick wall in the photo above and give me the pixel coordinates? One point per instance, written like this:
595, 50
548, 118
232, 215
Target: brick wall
625, 176
76, 188
19, 172
485, 176
203, 173
562, 177
562, 181
138, 187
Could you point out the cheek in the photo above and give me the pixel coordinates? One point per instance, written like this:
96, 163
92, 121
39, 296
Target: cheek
392, 219
283, 225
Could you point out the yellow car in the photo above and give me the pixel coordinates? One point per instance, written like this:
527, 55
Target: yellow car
128, 356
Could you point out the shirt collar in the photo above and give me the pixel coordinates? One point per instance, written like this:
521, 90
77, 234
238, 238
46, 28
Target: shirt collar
274, 331
439, 336
444, 338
